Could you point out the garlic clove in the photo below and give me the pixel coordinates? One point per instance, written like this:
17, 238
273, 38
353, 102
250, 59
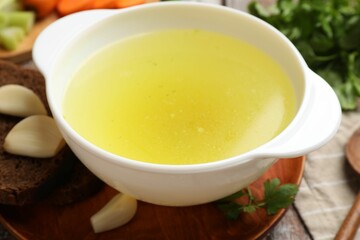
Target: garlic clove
35, 136
117, 212
17, 100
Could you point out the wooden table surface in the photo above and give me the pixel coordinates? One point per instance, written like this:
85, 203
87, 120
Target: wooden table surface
290, 227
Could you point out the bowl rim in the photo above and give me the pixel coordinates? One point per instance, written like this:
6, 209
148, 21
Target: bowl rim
183, 168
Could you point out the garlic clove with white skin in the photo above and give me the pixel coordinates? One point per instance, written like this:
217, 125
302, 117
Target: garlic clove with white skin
35, 136
17, 100
117, 212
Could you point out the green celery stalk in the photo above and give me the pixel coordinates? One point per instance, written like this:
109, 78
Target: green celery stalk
9, 5
3, 20
11, 37
22, 19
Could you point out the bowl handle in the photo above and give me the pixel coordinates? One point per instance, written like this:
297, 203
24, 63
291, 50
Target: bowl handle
52, 40
318, 125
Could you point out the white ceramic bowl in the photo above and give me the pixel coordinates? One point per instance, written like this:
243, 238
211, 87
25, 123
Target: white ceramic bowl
65, 44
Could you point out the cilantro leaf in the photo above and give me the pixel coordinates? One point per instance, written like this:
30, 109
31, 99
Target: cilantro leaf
327, 35
270, 186
231, 210
347, 95
250, 208
278, 197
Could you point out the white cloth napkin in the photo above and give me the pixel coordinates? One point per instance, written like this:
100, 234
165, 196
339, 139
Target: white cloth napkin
329, 186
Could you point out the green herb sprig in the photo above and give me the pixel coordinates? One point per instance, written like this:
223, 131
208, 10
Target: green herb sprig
276, 197
327, 34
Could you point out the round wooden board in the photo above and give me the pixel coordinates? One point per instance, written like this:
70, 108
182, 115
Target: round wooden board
23, 52
43, 222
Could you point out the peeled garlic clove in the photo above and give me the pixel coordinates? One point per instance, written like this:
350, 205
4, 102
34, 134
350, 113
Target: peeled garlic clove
35, 136
117, 212
20, 101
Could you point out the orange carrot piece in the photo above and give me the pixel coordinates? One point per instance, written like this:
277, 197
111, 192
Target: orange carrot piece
42, 8
128, 3
101, 4
66, 7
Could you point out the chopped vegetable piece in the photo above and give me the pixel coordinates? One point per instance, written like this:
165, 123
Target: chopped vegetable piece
11, 37
99, 4
3, 20
22, 19
43, 8
66, 7
9, 5
128, 3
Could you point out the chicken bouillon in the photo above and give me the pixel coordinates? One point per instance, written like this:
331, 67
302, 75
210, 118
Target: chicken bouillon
179, 97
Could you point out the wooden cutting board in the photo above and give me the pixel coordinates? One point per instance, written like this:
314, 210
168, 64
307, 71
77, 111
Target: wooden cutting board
43, 222
23, 52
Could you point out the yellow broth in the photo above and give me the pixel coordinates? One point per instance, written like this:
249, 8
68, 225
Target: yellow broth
179, 97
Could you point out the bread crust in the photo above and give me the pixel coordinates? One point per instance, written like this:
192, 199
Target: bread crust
25, 180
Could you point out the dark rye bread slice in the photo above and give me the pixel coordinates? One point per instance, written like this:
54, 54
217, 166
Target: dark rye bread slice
80, 185
26, 180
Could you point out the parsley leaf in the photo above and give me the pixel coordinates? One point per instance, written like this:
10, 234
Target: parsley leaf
250, 208
276, 197
327, 35
231, 210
